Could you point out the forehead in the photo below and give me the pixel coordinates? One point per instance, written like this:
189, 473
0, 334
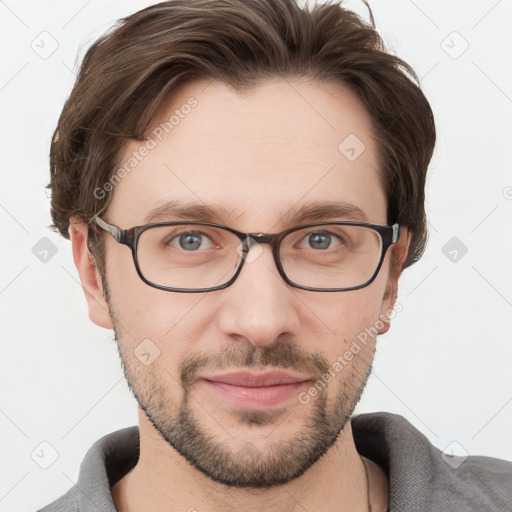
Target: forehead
256, 155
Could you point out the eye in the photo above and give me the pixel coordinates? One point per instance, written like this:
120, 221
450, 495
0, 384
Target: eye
190, 241
321, 240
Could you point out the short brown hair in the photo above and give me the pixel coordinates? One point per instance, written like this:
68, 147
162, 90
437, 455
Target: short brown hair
126, 74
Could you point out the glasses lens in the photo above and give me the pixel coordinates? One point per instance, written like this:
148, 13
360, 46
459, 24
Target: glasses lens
331, 256
188, 256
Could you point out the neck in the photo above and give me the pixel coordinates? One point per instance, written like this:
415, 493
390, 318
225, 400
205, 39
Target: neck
162, 479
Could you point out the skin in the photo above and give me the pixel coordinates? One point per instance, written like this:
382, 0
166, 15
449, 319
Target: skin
257, 154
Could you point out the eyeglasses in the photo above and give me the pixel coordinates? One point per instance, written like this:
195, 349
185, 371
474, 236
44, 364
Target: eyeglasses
203, 257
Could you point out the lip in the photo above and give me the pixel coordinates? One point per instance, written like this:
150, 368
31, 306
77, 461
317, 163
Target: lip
256, 391
254, 380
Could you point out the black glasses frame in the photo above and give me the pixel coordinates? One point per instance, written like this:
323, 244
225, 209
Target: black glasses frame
130, 237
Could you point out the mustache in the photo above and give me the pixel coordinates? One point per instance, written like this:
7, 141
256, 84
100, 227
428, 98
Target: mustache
280, 355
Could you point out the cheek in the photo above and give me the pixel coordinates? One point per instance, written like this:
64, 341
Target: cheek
350, 312
349, 321
142, 310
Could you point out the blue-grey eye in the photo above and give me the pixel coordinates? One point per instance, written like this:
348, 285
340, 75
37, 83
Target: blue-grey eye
190, 241
319, 240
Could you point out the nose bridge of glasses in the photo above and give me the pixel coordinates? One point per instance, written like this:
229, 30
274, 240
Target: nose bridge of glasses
260, 238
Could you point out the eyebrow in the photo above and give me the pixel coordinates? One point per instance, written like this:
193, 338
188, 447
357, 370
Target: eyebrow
317, 211
178, 210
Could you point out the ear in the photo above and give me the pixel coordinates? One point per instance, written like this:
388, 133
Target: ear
89, 274
397, 257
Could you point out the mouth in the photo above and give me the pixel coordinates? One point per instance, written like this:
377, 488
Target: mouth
248, 390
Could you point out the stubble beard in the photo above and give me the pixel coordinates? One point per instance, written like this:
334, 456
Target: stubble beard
247, 466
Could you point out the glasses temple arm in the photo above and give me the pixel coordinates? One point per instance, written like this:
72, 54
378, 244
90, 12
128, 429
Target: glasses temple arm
113, 230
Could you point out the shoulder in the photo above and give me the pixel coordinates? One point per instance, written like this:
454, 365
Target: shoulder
68, 502
485, 476
425, 478
106, 462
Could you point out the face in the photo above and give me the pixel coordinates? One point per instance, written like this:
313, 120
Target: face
255, 159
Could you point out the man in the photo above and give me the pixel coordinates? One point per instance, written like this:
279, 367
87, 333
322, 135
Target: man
243, 184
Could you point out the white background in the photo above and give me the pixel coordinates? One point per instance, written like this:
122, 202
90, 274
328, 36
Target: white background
446, 363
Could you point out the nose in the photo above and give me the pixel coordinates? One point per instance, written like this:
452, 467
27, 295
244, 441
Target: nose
259, 306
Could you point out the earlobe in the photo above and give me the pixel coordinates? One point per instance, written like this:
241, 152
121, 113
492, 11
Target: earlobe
89, 275
397, 258
388, 302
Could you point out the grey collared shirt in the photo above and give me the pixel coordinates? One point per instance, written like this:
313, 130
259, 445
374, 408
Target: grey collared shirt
421, 477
